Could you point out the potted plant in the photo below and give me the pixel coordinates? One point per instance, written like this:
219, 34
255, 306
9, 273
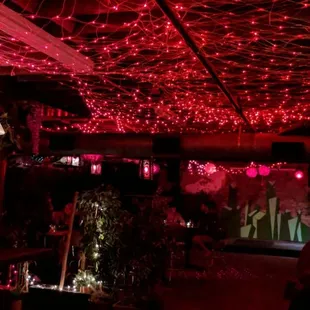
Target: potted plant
101, 300
19, 278
16, 299
85, 282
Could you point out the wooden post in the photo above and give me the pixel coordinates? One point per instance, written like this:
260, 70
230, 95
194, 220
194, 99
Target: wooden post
83, 261
67, 245
3, 166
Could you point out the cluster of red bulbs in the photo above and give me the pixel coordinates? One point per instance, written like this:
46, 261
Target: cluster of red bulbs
148, 80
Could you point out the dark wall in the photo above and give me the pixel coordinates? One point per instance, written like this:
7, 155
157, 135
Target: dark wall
26, 189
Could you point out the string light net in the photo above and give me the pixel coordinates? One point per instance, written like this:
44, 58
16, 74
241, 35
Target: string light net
146, 79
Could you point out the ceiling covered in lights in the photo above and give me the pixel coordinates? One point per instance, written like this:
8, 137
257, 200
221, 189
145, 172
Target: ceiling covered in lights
143, 77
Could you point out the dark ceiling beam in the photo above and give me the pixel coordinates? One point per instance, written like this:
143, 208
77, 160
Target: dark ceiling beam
50, 94
92, 32
64, 119
193, 146
35, 75
51, 8
26, 5
34, 5
302, 130
68, 25
6, 70
202, 58
112, 18
26, 76
55, 27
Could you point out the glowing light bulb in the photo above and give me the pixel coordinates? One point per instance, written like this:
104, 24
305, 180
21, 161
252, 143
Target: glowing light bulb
299, 174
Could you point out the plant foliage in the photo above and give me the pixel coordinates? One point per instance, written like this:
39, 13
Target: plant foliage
102, 221
84, 279
7, 141
119, 243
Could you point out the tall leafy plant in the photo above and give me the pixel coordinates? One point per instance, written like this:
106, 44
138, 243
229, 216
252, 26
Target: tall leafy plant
103, 223
122, 245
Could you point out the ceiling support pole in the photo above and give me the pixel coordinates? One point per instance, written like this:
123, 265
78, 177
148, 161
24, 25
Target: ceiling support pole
202, 58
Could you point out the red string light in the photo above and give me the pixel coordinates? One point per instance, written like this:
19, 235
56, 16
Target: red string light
147, 80
195, 167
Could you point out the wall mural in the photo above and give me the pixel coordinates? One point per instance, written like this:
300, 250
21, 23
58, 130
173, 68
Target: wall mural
272, 206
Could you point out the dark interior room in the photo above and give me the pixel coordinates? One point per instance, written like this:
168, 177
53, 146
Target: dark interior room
154, 154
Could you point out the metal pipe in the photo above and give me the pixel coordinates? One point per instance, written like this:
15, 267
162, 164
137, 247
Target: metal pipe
208, 66
221, 147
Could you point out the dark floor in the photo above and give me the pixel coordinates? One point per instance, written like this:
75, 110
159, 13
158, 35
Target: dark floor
238, 281
234, 281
